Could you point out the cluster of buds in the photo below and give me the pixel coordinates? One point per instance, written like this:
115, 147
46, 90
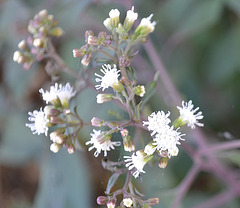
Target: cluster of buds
41, 27
93, 43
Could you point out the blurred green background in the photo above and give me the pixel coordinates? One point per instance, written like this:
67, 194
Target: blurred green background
199, 43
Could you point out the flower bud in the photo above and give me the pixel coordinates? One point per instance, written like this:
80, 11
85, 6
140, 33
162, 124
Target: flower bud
117, 86
113, 20
103, 137
101, 200
16, 56
71, 149
56, 31
97, 122
153, 201
87, 34
23, 45
139, 90
86, 59
124, 61
78, 52
55, 120
54, 147
43, 14
21, 60
163, 162
111, 204
150, 148
129, 20
128, 144
102, 98
93, 40
58, 137
38, 43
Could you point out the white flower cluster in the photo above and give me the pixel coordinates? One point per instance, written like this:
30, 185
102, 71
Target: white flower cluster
164, 136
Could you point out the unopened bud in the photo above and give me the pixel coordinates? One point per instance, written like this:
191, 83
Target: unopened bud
86, 59
128, 144
124, 61
87, 34
78, 52
93, 40
153, 201
23, 45
103, 137
55, 147
130, 18
50, 17
111, 204
55, 120
57, 31
21, 60
102, 98
101, 200
163, 162
43, 13
97, 122
37, 42
118, 86
71, 149
16, 56
139, 90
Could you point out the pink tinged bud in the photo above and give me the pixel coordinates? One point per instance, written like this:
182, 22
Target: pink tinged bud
101, 200
111, 204
43, 13
86, 59
55, 120
97, 122
163, 162
87, 34
71, 149
78, 53
93, 40
153, 201
27, 65
124, 61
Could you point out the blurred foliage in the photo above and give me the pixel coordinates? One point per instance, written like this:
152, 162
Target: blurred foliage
199, 42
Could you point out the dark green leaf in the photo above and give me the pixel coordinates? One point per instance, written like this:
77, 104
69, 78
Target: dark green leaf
112, 180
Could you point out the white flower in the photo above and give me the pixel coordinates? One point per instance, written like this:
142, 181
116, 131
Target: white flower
105, 146
109, 78
157, 121
168, 139
39, 125
114, 13
131, 15
113, 20
135, 162
187, 114
127, 202
147, 24
58, 91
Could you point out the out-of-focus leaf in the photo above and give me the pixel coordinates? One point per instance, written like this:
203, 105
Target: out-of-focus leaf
224, 57
18, 145
234, 5
64, 181
200, 16
112, 180
233, 156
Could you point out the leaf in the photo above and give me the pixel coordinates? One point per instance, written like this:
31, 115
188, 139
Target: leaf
234, 5
112, 180
200, 16
64, 181
19, 145
233, 156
